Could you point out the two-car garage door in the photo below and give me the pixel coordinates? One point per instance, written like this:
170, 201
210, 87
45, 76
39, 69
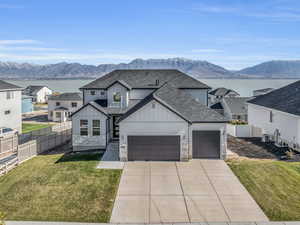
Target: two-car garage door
154, 148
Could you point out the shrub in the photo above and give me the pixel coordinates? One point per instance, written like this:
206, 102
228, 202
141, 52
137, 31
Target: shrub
238, 122
2, 217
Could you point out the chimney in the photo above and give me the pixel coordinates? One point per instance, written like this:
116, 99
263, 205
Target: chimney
156, 82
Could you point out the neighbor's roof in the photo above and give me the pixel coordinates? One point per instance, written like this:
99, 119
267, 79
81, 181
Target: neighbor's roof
285, 99
33, 89
68, 96
222, 91
61, 108
8, 86
265, 89
181, 103
237, 105
146, 79
217, 105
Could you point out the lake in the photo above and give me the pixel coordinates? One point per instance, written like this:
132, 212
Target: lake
243, 86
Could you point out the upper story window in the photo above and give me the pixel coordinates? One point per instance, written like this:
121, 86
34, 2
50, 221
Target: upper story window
117, 97
102, 93
271, 117
93, 92
9, 95
7, 112
84, 126
74, 104
57, 103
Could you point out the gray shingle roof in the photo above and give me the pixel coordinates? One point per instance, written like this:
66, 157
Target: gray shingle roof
217, 105
237, 105
285, 99
265, 89
95, 106
8, 86
146, 79
222, 91
33, 89
182, 104
68, 96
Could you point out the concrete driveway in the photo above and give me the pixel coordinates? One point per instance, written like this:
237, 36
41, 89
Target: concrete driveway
195, 191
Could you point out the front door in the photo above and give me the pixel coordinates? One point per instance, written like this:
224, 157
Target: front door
115, 127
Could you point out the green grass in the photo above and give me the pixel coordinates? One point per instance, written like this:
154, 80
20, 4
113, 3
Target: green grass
28, 127
59, 188
273, 184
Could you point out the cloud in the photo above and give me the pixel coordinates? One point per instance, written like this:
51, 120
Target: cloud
18, 42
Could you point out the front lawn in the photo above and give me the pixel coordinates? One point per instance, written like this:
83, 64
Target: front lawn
59, 188
28, 127
273, 184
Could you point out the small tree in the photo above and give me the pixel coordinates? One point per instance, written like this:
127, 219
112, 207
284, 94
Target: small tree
2, 217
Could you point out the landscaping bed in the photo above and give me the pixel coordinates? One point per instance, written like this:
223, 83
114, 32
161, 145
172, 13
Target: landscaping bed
59, 187
273, 184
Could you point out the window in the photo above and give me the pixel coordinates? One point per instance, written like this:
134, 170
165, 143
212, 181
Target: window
96, 127
51, 113
271, 117
7, 112
84, 125
9, 95
117, 97
57, 103
93, 92
102, 93
74, 104
58, 114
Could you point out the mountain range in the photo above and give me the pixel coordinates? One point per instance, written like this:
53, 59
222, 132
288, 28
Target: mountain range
195, 68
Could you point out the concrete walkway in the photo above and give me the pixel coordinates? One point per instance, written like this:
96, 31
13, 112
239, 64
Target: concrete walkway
207, 223
213, 223
182, 192
110, 159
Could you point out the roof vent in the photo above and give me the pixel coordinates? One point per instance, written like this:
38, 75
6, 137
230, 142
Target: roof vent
156, 82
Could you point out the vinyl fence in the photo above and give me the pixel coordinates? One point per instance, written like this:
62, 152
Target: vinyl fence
8, 145
243, 131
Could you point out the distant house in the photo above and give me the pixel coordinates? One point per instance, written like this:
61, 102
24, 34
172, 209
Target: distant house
234, 108
60, 107
262, 91
27, 105
10, 107
219, 93
277, 113
39, 94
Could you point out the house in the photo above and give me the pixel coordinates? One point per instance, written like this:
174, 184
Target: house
219, 93
61, 106
152, 114
27, 105
10, 107
277, 113
262, 91
234, 108
38, 93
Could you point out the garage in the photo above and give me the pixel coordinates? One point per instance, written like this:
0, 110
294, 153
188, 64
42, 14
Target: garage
206, 144
154, 148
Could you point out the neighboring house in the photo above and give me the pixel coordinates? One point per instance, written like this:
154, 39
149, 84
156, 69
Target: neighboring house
27, 105
262, 91
234, 108
153, 114
39, 94
218, 94
61, 106
10, 107
277, 113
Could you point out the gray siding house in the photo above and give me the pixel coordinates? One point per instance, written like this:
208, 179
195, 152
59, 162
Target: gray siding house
152, 114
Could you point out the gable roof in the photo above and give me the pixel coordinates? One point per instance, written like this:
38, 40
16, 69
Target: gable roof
8, 86
33, 89
181, 103
237, 105
68, 96
217, 105
95, 106
285, 99
146, 79
222, 91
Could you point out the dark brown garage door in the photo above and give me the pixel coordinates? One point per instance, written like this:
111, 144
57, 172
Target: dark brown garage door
206, 144
154, 148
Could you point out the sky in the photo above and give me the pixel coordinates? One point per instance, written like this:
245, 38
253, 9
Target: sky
231, 33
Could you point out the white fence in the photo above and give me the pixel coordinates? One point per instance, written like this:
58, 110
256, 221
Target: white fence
243, 131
